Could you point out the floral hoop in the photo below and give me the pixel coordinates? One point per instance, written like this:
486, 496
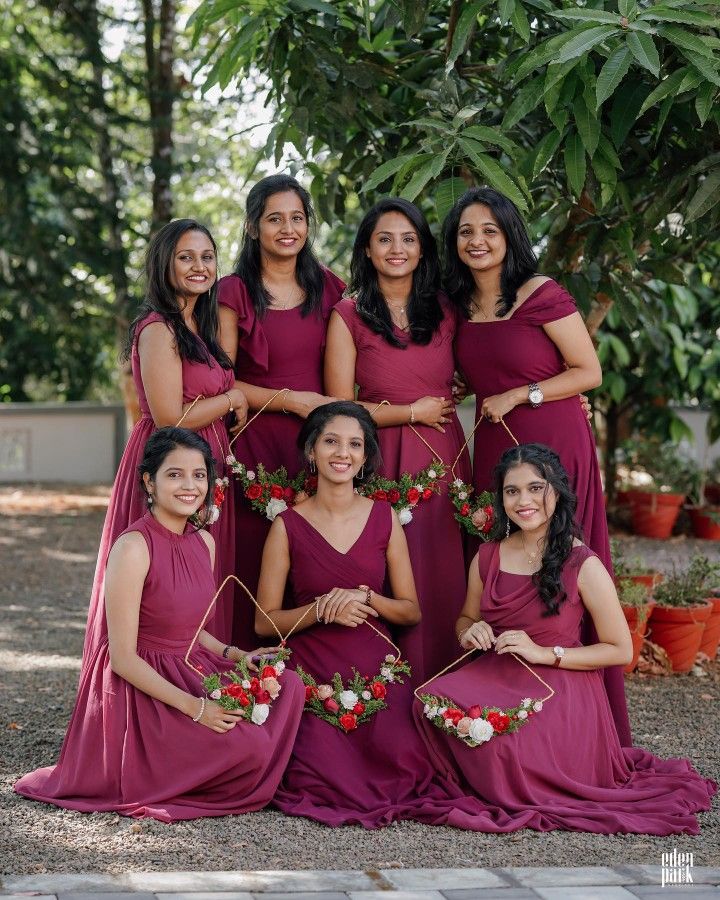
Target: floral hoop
251, 694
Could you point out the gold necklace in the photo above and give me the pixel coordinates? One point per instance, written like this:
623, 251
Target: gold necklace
289, 303
399, 310
532, 557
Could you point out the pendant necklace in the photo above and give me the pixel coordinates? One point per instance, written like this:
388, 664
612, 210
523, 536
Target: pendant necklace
532, 557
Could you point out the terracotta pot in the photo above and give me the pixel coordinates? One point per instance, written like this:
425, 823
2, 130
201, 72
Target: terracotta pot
711, 635
654, 515
679, 632
703, 526
638, 628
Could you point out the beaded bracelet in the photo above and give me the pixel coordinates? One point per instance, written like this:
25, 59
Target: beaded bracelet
412, 415
202, 710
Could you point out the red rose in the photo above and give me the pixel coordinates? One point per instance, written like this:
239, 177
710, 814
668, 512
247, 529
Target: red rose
379, 691
453, 714
486, 527
499, 721
359, 709
488, 510
254, 491
310, 692
413, 495
393, 495
268, 672
236, 691
380, 495
348, 721
289, 494
254, 685
262, 697
475, 712
218, 496
331, 705
427, 493
464, 509
276, 491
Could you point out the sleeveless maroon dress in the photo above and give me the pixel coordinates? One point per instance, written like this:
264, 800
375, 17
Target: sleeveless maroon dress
564, 768
282, 349
119, 740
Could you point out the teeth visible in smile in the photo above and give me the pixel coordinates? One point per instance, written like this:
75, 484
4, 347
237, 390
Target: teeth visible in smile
186, 498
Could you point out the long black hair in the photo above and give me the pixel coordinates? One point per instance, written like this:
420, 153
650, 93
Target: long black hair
161, 297
164, 441
562, 527
520, 262
424, 311
314, 424
308, 271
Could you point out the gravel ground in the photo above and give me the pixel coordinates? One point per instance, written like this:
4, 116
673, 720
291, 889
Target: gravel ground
48, 541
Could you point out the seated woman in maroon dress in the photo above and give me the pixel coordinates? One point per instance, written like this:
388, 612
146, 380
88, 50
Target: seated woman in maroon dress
394, 339
556, 764
175, 359
524, 351
138, 700
274, 310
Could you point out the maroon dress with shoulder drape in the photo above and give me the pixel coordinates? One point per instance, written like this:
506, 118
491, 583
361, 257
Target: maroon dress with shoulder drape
283, 349
435, 541
564, 768
499, 355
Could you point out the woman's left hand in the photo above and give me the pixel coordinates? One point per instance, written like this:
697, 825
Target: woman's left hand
497, 406
514, 641
248, 655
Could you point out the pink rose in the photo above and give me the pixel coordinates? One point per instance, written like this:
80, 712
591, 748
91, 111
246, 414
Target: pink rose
463, 726
331, 705
324, 691
479, 517
272, 686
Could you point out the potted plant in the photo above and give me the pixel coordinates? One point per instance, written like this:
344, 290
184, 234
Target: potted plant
636, 605
669, 476
682, 610
705, 512
632, 568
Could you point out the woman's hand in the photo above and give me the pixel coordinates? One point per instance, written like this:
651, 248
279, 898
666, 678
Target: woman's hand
478, 636
218, 719
514, 641
459, 388
433, 411
248, 655
498, 406
240, 408
344, 606
587, 408
302, 403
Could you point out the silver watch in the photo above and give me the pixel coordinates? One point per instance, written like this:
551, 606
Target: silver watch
559, 653
535, 395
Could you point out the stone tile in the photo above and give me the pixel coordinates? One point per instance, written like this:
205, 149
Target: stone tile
301, 895
24, 896
205, 895
393, 895
442, 879
83, 882
511, 893
567, 877
109, 895
585, 892
285, 882
656, 892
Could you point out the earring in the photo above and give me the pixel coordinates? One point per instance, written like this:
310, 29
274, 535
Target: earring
361, 473
149, 500
507, 529
312, 467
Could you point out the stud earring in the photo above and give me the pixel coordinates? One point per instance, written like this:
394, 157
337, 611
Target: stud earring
507, 529
312, 467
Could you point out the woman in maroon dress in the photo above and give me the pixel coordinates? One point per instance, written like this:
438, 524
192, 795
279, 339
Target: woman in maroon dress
273, 316
138, 700
524, 351
556, 764
394, 339
175, 359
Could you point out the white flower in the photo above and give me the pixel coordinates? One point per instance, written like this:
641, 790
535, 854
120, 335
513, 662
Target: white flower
420, 487
449, 723
245, 685
522, 714
481, 730
430, 711
441, 710
458, 482
230, 460
387, 674
260, 712
215, 695
279, 667
462, 495
274, 507
405, 515
432, 474
526, 702
389, 658
537, 706
213, 515
366, 695
250, 475
348, 699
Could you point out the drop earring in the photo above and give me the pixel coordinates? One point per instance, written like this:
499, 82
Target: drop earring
507, 529
361, 473
149, 499
312, 467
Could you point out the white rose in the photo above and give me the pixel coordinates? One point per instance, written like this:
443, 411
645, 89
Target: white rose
420, 487
441, 710
526, 702
215, 695
389, 658
481, 730
348, 699
279, 667
458, 482
260, 712
405, 515
245, 685
274, 507
250, 475
432, 474
462, 495
213, 515
430, 711
537, 706
522, 714
387, 674
366, 695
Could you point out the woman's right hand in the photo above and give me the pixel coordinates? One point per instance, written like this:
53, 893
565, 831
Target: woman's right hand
478, 636
344, 606
302, 403
240, 407
218, 719
433, 411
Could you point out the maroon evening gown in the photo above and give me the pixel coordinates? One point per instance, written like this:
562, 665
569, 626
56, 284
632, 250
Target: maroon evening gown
128, 501
497, 356
435, 540
565, 767
281, 350
127, 752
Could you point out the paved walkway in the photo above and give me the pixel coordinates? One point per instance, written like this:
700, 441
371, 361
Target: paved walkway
591, 883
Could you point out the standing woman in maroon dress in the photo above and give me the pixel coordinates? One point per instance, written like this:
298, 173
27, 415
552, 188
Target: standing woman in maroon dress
274, 310
524, 350
175, 359
394, 339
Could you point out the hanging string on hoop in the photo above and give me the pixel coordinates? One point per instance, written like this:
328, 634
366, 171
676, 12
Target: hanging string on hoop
278, 393
469, 438
435, 454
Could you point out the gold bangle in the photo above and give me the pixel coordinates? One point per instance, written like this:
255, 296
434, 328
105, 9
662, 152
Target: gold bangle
285, 396
412, 415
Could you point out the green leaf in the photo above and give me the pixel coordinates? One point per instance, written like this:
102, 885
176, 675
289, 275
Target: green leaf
668, 86
706, 196
318, 6
546, 149
465, 24
383, 172
493, 172
627, 7
505, 10
424, 174
447, 193
685, 40
665, 108
575, 162
704, 66
539, 56
704, 101
643, 48
681, 362
606, 149
587, 15
585, 40
612, 73
526, 101
414, 15
588, 125
684, 17
619, 349
520, 22
556, 73
491, 135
